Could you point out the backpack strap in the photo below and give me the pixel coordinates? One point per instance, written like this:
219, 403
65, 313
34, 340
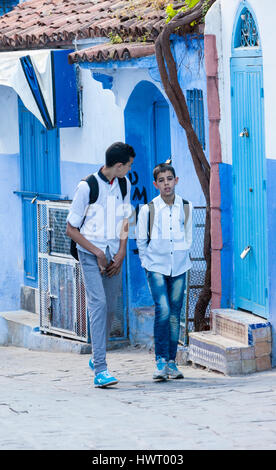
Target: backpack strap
186, 207
150, 219
123, 186
94, 187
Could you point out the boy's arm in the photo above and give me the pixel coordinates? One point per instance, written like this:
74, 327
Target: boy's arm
115, 266
75, 218
142, 231
189, 227
74, 233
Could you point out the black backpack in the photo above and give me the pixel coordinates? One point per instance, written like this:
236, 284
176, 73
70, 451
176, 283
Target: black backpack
93, 196
151, 215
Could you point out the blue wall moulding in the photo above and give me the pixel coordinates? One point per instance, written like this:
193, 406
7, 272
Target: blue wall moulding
66, 101
7, 5
105, 80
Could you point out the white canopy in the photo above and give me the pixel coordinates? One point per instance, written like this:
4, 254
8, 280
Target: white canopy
12, 75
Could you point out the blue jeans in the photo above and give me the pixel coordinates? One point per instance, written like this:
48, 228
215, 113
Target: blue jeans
168, 294
101, 294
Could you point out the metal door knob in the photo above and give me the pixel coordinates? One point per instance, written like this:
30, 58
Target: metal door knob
244, 133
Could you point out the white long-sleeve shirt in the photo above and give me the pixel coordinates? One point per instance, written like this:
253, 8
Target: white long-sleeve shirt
171, 237
104, 218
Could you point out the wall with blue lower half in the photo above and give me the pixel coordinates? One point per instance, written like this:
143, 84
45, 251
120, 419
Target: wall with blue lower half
271, 229
11, 253
151, 126
225, 174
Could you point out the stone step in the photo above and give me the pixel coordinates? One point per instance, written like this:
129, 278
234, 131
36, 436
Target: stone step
226, 355
240, 326
21, 328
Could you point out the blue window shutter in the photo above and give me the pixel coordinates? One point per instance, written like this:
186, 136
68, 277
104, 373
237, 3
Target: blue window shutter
7, 5
196, 110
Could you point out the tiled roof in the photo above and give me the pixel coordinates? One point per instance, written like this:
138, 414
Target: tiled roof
105, 52
55, 23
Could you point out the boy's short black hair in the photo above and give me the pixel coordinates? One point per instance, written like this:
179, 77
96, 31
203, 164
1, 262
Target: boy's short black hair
162, 168
118, 153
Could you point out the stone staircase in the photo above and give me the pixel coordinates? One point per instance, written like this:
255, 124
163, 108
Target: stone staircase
238, 343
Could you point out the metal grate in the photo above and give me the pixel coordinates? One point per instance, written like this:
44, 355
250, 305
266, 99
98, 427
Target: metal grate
61, 288
59, 242
196, 110
63, 309
196, 275
248, 33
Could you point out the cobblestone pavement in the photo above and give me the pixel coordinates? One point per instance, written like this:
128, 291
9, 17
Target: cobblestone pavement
47, 401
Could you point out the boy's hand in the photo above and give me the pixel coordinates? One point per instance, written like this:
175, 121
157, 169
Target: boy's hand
102, 261
114, 266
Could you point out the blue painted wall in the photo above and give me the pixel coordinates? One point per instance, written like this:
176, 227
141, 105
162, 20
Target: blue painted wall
271, 218
225, 173
227, 268
11, 246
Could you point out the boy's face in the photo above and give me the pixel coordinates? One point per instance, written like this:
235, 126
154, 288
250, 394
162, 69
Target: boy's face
123, 169
165, 183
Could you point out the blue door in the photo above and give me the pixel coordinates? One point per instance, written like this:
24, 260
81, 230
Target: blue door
249, 186
40, 179
148, 131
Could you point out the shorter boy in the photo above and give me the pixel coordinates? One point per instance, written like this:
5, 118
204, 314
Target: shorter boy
164, 237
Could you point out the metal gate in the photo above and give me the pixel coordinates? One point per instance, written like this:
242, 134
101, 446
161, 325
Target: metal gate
195, 276
62, 302
63, 309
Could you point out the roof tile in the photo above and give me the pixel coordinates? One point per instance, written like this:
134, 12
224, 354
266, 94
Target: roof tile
105, 52
40, 23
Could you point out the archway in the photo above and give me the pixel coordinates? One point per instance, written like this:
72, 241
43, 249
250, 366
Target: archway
147, 129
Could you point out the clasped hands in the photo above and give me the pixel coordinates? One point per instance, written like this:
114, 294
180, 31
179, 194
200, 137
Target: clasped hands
113, 267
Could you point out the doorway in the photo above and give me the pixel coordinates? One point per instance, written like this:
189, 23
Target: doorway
147, 129
249, 168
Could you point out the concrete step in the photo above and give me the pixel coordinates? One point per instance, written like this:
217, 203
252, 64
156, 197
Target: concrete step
240, 326
226, 355
21, 328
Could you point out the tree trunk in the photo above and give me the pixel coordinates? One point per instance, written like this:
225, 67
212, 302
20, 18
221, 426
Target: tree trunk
168, 72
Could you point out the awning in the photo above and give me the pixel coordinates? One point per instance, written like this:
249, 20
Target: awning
51, 97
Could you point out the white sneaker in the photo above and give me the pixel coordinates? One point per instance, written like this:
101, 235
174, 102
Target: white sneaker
161, 372
173, 371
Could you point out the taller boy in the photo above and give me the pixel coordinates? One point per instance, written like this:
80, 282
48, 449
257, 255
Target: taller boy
164, 236
101, 243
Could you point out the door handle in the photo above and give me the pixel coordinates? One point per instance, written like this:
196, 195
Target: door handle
244, 133
245, 252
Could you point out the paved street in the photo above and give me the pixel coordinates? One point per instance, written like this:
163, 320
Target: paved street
47, 401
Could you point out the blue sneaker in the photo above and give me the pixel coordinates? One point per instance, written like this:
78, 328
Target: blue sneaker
104, 379
91, 364
173, 371
161, 372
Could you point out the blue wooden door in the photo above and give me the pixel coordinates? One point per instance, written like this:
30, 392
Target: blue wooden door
249, 186
40, 178
148, 131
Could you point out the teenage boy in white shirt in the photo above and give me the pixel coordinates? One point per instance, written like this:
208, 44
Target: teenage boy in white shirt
100, 230
164, 253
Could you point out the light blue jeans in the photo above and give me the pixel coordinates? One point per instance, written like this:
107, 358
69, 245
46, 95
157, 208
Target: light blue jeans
168, 294
101, 294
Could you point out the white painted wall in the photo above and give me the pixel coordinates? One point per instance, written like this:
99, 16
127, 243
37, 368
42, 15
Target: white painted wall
103, 116
9, 132
220, 21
